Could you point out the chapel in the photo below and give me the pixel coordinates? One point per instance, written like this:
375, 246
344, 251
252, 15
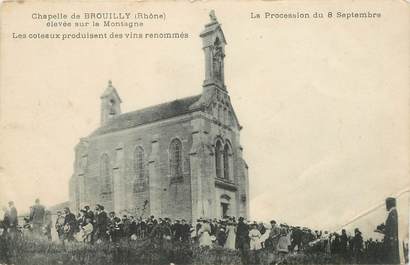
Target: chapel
180, 159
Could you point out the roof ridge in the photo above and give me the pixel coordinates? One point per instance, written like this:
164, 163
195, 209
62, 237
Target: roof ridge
149, 114
158, 105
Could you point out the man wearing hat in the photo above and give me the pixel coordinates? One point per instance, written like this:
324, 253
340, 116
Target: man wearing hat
242, 239
101, 223
70, 224
274, 234
391, 233
88, 212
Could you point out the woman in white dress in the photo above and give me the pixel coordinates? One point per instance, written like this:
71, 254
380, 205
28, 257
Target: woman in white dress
231, 236
203, 234
255, 235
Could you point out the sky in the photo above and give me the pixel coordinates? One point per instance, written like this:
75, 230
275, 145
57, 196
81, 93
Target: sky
323, 104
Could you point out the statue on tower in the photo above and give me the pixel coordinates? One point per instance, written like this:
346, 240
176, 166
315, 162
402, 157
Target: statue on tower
217, 60
213, 16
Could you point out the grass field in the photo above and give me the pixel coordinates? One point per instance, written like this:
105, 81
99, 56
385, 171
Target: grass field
147, 252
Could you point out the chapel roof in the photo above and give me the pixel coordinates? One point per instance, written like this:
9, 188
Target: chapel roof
150, 114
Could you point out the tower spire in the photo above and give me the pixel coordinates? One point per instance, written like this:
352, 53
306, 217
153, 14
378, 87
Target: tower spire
213, 44
110, 103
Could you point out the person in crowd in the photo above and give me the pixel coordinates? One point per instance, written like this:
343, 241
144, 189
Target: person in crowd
177, 230
204, 232
325, 239
197, 228
318, 234
357, 244
85, 233
265, 241
48, 223
6, 220
185, 230
12, 219
145, 227
371, 251
343, 243
157, 231
81, 218
242, 235
4, 244
37, 213
406, 250
242, 240
274, 234
254, 236
254, 241
230, 235
221, 235
59, 225
101, 222
283, 245
88, 213
132, 227
391, 234
70, 225
335, 244
214, 227
150, 223
125, 226
113, 227
261, 228
167, 229
296, 239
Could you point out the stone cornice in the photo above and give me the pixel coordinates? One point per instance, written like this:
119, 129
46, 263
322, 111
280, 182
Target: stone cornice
225, 184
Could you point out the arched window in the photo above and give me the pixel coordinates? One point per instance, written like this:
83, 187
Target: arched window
139, 168
106, 175
112, 106
175, 161
218, 159
227, 162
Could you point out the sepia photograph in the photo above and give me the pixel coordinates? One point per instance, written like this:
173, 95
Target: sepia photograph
204, 132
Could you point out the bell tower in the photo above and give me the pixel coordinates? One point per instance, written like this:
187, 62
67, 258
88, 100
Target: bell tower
213, 44
110, 104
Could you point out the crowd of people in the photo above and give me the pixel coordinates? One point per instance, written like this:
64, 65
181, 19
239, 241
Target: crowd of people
94, 227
